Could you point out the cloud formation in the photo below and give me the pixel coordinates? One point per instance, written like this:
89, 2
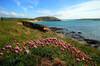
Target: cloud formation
90, 9
26, 6
11, 14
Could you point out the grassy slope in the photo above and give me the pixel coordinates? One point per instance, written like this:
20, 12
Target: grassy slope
11, 32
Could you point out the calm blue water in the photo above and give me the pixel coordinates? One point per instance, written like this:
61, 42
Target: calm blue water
89, 28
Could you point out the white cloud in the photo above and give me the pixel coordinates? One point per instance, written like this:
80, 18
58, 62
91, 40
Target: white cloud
3, 13
18, 3
11, 14
15, 14
90, 9
33, 4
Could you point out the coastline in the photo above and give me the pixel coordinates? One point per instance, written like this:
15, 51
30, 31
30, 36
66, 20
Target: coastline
77, 36
65, 32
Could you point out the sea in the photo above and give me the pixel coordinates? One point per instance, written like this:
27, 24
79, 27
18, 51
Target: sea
90, 28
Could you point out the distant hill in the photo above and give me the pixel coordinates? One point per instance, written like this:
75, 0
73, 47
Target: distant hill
97, 19
46, 18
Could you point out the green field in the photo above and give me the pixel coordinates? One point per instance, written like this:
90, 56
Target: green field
12, 32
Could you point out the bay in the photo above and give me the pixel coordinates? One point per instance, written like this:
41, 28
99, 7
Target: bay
90, 28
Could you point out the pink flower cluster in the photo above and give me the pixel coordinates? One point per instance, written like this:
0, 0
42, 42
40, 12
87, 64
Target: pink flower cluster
15, 49
79, 55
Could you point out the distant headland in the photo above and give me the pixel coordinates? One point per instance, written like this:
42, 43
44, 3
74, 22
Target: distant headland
46, 18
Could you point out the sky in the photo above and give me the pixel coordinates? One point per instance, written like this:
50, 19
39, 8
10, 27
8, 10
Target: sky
63, 9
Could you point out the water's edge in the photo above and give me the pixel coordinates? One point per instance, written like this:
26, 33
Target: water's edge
58, 27
77, 36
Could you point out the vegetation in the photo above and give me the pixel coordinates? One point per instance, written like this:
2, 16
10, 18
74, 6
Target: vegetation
13, 32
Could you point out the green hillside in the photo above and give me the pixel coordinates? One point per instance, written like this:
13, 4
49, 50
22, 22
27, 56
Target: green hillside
12, 32
46, 18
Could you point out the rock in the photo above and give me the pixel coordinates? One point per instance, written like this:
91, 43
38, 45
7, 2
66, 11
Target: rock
55, 28
72, 32
35, 26
92, 41
79, 32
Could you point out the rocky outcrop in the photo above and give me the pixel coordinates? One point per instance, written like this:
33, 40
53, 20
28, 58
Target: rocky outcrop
93, 43
77, 36
35, 26
55, 28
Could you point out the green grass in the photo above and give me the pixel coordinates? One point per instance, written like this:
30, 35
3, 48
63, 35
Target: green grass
11, 32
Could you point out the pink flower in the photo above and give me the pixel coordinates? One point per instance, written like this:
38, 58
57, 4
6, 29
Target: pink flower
17, 48
62, 49
83, 58
35, 46
64, 46
16, 51
56, 43
8, 46
29, 42
38, 42
42, 45
78, 59
31, 45
45, 42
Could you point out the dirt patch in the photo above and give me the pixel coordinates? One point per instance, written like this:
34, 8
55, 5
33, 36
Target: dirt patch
46, 62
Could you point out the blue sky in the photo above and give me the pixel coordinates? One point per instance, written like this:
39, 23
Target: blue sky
64, 9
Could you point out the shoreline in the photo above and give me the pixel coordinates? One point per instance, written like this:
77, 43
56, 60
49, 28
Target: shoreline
77, 36
66, 32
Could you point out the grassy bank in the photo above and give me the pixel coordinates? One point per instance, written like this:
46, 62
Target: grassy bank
12, 32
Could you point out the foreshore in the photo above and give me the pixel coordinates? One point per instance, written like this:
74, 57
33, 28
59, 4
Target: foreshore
77, 36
